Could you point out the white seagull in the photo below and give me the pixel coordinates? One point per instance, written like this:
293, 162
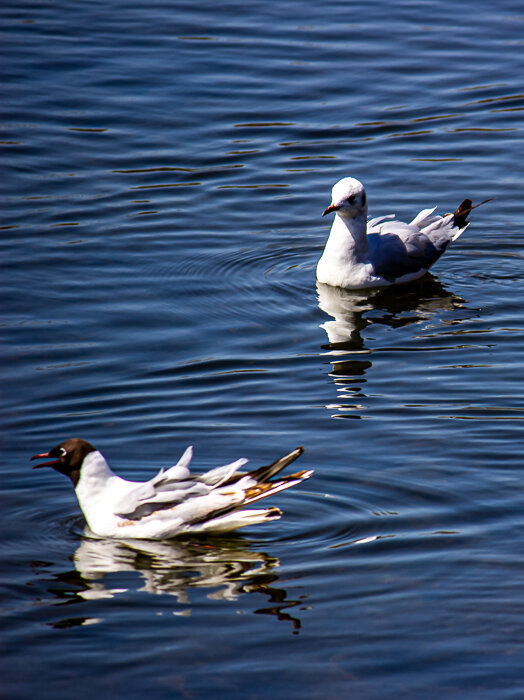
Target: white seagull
174, 501
382, 251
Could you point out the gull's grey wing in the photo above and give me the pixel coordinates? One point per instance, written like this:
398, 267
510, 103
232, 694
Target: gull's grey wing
171, 487
398, 249
148, 498
219, 475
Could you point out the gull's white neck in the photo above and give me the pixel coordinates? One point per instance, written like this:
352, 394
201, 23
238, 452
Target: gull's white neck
349, 237
94, 475
97, 490
346, 251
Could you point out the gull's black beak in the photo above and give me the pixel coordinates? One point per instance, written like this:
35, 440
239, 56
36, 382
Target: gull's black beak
330, 209
44, 455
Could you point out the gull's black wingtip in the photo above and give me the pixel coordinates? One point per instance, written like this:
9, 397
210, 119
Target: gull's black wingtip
460, 215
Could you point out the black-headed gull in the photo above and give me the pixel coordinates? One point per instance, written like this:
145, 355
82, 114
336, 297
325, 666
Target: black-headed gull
381, 252
174, 501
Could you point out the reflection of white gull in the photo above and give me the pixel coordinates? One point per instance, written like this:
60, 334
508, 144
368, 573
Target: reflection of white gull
172, 567
347, 308
346, 345
352, 311
361, 254
173, 502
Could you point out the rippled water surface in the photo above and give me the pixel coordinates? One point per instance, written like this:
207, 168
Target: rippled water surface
165, 166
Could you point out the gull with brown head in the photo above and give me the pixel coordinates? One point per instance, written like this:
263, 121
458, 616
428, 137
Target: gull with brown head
175, 501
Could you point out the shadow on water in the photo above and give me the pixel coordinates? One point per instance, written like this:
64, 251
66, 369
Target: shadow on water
226, 566
354, 311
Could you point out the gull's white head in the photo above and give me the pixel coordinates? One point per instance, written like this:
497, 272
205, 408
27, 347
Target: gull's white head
348, 199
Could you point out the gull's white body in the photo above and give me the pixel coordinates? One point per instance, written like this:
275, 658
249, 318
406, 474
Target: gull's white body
381, 252
105, 497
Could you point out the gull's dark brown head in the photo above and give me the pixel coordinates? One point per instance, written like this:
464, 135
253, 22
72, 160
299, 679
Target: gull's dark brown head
67, 457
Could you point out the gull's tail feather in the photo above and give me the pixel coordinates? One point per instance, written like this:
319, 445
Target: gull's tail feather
263, 474
234, 520
233, 517
460, 215
246, 489
268, 488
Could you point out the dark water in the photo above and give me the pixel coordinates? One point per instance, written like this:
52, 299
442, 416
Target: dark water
165, 165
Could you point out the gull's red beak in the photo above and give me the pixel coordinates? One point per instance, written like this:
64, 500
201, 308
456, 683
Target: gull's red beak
330, 209
44, 455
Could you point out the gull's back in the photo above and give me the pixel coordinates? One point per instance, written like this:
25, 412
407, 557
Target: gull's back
398, 249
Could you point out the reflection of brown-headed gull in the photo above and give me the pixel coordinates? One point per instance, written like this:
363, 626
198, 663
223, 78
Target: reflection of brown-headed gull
175, 567
381, 252
174, 501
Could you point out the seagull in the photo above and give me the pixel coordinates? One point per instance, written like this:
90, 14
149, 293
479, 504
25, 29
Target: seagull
173, 502
380, 252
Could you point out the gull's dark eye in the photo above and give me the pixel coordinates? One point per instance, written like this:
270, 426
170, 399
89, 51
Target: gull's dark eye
63, 452
351, 199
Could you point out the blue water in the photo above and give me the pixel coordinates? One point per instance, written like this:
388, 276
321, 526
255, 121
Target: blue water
165, 166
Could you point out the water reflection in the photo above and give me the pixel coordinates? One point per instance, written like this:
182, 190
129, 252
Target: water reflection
355, 310
226, 566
